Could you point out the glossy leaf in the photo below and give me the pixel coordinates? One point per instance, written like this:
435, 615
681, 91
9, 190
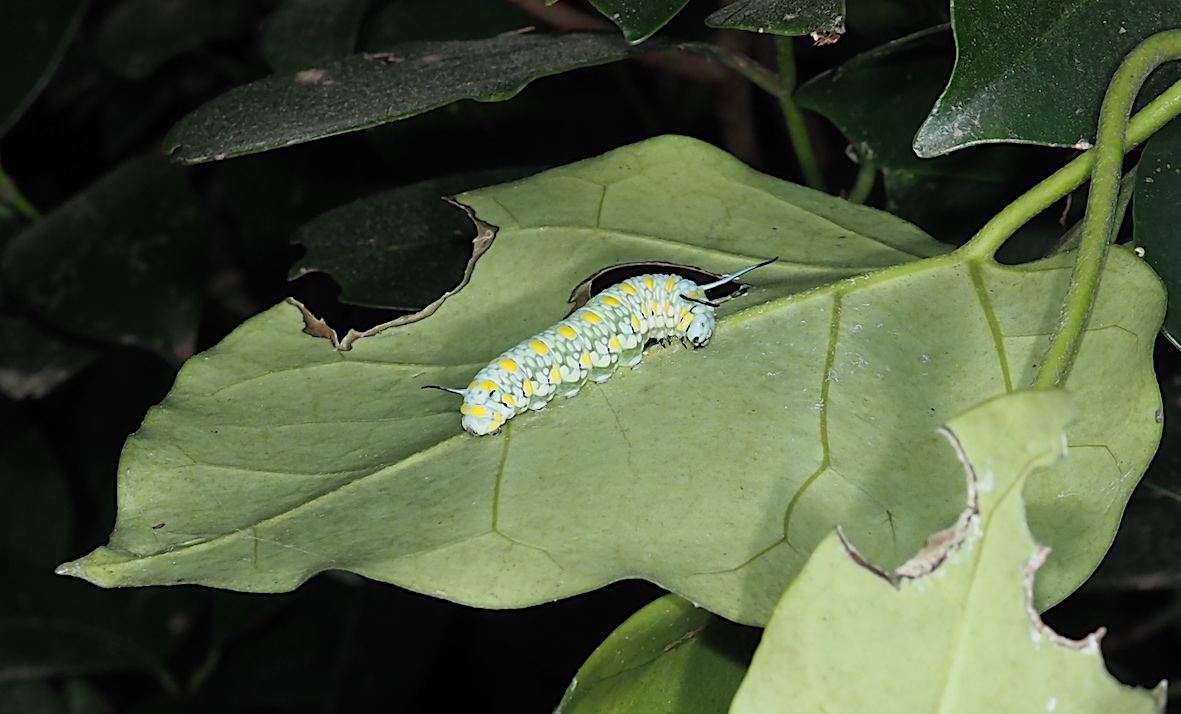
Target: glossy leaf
306, 33
879, 99
671, 656
397, 249
369, 89
954, 628
1035, 73
823, 18
639, 19
118, 262
712, 472
33, 37
1156, 214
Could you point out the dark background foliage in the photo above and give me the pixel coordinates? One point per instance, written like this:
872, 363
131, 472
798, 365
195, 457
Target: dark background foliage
118, 265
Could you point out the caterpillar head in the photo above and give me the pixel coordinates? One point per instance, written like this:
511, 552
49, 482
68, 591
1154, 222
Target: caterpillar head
483, 419
701, 328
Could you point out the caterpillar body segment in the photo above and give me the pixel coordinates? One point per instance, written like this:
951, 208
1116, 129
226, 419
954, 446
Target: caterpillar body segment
589, 345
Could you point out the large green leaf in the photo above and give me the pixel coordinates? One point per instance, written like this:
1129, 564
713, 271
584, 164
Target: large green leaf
712, 472
365, 90
33, 38
954, 629
119, 261
1157, 213
1035, 73
823, 19
671, 656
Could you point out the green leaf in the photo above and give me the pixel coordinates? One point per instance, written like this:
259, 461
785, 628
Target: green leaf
639, 19
880, 98
397, 249
139, 36
33, 37
305, 33
1156, 215
712, 472
670, 656
954, 628
1035, 73
820, 18
117, 262
369, 89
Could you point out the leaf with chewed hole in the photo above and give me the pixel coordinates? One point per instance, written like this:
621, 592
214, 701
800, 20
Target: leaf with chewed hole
670, 656
713, 472
954, 628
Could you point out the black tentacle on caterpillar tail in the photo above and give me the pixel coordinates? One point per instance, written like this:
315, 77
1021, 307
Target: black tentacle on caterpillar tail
589, 345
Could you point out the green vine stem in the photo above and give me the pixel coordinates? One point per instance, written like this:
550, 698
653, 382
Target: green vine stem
10, 194
867, 174
1099, 220
797, 129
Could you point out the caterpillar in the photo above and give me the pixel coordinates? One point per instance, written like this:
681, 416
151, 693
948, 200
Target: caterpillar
609, 330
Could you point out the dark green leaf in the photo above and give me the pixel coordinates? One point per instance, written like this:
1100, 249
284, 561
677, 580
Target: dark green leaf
823, 18
639, 19
399, 249
669, 656
140, 35
374, 88
411, 20
33, 37
307, 33
1156, 214
879, 100
32, 361
118, 262
1035, 72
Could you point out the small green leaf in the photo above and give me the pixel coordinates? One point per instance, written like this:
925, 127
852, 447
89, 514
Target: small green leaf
712, 472
117, 262
822, 18
307, 33
33, 37
953, 629
366, 90
1156, 213
671, 656
639, 19
398, 249
1035, 73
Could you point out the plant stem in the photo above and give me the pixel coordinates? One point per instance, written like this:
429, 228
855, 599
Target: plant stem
867, 174
1110, 140
1037, 199
797, 129
1127, 187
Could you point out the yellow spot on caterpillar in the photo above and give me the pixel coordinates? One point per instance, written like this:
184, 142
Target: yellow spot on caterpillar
636, 323
684, 311
539, 347
555, 374
498, 417
627, 288
613, 302
672, 283
567, 332
591, 317
508, 399
648, 281
478, 411
614, 344
653, 308
667, 307
489, 386
472, 385
585, 359
528, 387
508, 365
463, 409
